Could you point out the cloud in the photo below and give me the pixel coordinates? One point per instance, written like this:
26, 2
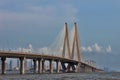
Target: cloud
50, 51
109, 49
83, 49
96, 48
28, 49
35, 15
86, 49
43, 50
89, 49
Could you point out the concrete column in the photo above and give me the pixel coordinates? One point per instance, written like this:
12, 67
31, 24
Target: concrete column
22, 65
68, 67
3, 65
35, 65
78, 67
39, 65
57, 66
43, 66
51, 66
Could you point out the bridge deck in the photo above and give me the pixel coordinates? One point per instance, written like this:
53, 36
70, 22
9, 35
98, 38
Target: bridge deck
10, 54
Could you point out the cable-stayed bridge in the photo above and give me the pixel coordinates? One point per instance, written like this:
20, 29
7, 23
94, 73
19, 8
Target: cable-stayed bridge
65, 51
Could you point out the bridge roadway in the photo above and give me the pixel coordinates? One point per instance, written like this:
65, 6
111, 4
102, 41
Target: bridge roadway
41, 59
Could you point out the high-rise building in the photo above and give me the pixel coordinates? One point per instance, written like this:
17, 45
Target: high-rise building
0, 65
31, 64
18, 64
10, 65
6, 66
25, 64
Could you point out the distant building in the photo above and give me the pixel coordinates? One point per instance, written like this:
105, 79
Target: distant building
31, 66
25, 63
10, 65
18, 64
6, 66
0, 65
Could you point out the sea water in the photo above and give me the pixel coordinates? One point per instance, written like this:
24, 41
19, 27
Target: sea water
63, 76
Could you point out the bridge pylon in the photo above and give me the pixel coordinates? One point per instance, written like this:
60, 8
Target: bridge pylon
66, 41
76, 41
71, 54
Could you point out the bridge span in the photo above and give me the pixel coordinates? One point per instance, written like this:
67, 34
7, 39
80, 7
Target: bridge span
68, 64
42, 58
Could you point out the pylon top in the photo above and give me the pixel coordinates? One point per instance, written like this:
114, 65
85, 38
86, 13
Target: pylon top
75, 23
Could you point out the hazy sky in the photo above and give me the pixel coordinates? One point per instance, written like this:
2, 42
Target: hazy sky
38, 22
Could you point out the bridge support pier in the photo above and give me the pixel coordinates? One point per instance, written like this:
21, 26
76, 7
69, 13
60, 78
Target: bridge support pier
51, 66
3, 65
57, 66
78, 67
35, 65
39, 65
22, 66
70, 67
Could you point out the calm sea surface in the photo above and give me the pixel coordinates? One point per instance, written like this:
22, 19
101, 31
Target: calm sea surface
63, 76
